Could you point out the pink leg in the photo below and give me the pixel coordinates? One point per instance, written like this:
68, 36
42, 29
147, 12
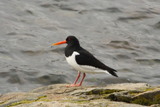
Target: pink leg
74, 84
79, 74
84, 75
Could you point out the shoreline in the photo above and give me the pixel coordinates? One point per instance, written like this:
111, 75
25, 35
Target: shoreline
113, 95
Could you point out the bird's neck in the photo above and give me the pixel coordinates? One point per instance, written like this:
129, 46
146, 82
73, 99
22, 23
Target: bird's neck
70, 49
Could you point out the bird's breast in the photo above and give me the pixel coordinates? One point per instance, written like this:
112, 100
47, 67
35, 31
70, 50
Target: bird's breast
72, 60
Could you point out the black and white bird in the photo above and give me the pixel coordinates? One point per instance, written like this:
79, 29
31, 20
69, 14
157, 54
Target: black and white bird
83, 61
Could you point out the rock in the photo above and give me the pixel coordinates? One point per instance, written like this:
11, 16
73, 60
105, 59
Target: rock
148, 97
114, 95
141, 96
129, 86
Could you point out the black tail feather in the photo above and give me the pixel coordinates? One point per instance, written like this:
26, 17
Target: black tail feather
112, 71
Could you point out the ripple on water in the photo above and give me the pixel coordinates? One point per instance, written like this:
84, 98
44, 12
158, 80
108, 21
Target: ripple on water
136, 15
152, 48
4, 55
125, 70
49, 79
18, 76
122, 56
13, 76
157, 25
40, 52
122, 44
133, 18
148, 61
33, 52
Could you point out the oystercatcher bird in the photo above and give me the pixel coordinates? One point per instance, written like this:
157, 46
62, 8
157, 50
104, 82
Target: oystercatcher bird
83, 61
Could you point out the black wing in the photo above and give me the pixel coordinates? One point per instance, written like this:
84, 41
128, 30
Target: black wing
86, 58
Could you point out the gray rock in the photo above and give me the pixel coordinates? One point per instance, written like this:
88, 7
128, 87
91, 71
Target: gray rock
114, 95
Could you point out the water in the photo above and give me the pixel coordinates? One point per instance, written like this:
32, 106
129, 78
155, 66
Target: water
122, 34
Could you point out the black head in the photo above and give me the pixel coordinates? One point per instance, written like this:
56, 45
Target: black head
72, 40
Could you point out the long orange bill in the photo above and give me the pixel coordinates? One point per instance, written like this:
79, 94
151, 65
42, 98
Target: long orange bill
58, 43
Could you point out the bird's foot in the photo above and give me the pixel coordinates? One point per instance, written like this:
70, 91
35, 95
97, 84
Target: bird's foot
73, 85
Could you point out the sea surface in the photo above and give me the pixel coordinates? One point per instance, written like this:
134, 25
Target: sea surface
124, 34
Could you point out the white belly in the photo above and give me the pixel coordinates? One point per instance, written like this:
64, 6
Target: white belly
82, 68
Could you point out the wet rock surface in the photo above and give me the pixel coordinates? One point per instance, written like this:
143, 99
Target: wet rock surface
124, 34
114, 95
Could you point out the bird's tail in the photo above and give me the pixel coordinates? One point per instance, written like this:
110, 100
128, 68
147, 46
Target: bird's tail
112, 71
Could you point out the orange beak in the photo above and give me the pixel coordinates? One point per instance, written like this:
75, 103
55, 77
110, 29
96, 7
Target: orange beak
58, 43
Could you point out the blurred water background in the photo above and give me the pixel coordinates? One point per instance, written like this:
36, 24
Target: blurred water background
124, 34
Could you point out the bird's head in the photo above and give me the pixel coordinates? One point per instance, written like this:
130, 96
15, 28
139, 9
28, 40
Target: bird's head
70, 40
